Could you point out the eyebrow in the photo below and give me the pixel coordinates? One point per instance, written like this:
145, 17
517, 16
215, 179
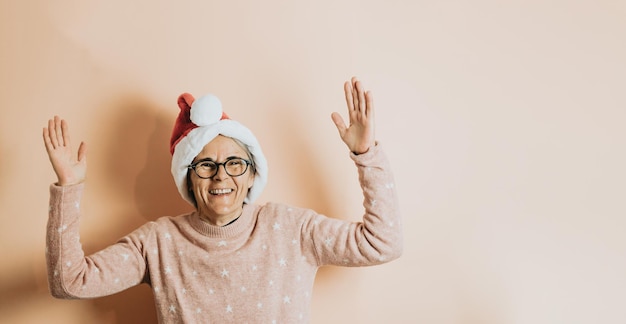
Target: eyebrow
211, 160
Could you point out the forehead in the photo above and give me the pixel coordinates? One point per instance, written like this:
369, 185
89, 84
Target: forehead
221, 147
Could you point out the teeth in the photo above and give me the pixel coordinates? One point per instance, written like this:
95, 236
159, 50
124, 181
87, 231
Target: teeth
220, 191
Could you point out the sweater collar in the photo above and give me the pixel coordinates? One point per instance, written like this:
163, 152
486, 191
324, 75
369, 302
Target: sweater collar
241, 224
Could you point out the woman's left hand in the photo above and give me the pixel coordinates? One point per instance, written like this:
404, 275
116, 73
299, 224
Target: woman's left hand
359, 135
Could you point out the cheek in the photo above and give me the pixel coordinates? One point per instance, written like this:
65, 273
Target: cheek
195, 185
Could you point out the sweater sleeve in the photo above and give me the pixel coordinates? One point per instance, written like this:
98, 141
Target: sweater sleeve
374, 240
73, 275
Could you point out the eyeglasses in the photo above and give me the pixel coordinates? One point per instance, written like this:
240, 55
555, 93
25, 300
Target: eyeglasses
206, 169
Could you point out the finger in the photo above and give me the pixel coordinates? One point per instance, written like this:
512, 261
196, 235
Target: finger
369, 104
347, 89
46, 139
58, 131
52, 134
355, 94
65, 133
361, 95
341, 125
82, 152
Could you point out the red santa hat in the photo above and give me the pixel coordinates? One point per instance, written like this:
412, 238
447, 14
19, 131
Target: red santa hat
199, 122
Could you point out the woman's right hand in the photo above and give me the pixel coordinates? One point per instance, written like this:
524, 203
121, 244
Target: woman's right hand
69, 170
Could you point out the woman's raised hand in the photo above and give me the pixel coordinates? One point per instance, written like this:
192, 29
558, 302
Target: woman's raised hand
359, 134
68, 168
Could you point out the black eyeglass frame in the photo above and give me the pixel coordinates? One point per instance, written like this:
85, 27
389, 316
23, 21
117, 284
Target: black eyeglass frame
217, 167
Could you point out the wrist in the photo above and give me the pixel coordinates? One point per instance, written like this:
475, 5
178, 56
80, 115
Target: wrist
363, 150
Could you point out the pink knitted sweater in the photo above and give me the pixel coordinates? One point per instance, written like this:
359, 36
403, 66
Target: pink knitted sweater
259, 269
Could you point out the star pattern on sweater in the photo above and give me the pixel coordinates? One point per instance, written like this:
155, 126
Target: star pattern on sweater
280, 264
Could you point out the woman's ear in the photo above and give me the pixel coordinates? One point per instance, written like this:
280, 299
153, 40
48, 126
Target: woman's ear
251, 181
189, 185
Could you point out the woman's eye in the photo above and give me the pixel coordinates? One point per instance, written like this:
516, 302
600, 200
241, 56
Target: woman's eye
207, 165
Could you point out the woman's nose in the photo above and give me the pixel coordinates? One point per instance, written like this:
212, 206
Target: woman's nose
221, 173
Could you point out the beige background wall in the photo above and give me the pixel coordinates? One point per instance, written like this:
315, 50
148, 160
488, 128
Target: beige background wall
504, 121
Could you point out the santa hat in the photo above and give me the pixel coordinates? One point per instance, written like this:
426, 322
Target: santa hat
198, 123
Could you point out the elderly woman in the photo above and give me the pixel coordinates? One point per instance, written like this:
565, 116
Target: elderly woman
229, 260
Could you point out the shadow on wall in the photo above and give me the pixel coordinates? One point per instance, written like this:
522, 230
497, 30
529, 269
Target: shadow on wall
21, 288
138, 159
155, 191
137, 169
4, 165
311, 184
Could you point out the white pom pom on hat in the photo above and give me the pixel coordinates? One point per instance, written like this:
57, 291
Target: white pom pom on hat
206, 110
199, 122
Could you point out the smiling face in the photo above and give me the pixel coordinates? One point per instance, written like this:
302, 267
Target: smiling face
219, 199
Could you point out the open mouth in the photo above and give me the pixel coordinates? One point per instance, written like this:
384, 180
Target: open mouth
218, 192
